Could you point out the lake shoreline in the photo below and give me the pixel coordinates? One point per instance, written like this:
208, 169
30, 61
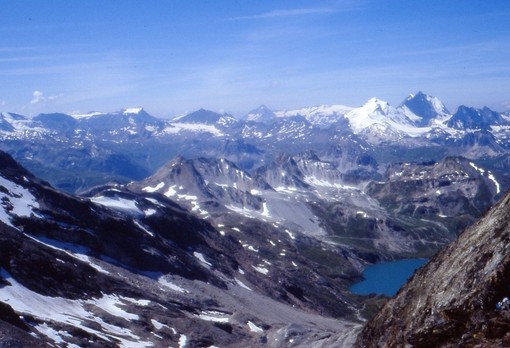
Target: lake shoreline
386, 278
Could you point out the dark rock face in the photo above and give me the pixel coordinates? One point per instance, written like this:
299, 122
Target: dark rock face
420, 104
451, 301
471, 118
8, 315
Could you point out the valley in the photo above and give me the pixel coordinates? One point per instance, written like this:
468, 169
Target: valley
212, 231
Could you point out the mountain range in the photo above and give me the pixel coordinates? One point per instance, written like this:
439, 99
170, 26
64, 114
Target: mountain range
206, 230
414, 165
131, 144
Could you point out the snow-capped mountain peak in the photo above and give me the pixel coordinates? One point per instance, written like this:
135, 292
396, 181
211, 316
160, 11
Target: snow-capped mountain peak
377, 105
79, 115
124, 112
377, 112
261, 114
319, 115
422, 109
203, 116
130, 111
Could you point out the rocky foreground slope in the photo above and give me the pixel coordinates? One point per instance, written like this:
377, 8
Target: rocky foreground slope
125, 269
451, 301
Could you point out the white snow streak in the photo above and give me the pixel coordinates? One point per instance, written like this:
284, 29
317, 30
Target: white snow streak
158, 325
262, 270
155, 188
118, 203
254, 328
172, 286
201, 258
498, 188
192, 127
214, 316
182, 341
241, 284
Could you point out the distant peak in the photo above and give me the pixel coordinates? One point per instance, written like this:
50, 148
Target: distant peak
128, 111
422, 108
261, 114
377, 101
204, 116
418, 95
376, 104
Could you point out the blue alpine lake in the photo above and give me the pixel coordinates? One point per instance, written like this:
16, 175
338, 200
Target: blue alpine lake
386, 277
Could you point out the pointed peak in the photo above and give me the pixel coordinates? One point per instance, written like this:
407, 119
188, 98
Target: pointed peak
263, 107
376, 105
417, 95
373, 100
423, 108
261, 114
177, 160
464, 108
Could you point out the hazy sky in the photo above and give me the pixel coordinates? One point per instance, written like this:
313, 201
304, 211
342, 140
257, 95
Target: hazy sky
176, 56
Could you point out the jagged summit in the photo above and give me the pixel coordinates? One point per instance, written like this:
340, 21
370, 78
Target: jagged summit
423, 108
376, 112
473, 118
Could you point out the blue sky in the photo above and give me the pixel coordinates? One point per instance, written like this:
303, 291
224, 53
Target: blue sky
173, 57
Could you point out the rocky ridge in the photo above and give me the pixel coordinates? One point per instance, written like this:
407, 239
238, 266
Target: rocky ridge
451, 301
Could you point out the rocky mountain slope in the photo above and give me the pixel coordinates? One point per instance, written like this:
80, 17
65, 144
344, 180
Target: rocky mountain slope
451, 301
412, 209
448, 195
118, 268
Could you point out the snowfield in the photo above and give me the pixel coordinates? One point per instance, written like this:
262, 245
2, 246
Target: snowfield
118, 203
77, 313
17, 201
